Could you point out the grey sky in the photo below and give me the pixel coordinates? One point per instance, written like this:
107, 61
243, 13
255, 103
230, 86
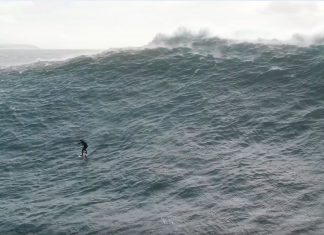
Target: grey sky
104, 24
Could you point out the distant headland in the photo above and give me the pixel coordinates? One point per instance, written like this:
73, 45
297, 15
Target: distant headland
17, 46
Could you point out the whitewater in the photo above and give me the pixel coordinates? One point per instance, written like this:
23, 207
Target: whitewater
188, 135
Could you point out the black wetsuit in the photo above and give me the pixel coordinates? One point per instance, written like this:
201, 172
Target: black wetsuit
85, 146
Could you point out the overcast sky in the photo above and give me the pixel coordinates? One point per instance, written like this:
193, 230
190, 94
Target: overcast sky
99, 24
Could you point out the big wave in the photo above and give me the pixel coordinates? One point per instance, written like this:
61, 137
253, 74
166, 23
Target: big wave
188, 134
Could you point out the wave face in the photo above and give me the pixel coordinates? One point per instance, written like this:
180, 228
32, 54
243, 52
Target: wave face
210, 137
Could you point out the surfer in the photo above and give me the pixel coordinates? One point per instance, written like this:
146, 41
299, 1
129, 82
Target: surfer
84, 149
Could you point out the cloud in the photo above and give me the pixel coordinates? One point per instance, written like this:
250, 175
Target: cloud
9, 5
303, 14
10, 9
292, 8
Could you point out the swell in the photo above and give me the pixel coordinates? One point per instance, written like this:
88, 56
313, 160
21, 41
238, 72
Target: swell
181, 140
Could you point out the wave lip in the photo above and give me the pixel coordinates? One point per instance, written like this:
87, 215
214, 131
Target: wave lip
184, 37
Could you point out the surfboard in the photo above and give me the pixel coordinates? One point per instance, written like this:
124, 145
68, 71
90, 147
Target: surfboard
88, 154
80, 156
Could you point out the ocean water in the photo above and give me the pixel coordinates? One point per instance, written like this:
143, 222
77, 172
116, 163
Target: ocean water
189, 135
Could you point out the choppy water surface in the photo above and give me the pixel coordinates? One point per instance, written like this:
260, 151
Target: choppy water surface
201, 137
